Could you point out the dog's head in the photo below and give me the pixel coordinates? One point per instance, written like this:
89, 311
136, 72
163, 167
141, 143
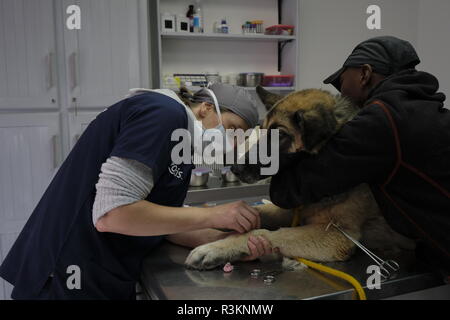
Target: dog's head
305, 121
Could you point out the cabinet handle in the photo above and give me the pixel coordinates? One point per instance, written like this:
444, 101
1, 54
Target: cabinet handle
49, 75
56, 151
73, 63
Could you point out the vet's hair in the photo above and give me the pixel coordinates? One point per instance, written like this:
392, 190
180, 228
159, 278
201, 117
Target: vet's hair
186, 96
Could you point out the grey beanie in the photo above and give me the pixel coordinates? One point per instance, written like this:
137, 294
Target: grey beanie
232, 98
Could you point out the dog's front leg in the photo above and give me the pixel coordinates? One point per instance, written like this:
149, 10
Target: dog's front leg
312, 242
214, 254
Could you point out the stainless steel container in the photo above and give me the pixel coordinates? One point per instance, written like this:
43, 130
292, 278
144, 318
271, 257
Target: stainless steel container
199, 177
251, 79
228, 176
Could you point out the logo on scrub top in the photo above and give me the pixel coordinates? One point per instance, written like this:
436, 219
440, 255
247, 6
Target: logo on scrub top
175, 170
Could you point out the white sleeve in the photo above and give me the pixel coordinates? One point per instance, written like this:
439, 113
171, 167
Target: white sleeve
121, 182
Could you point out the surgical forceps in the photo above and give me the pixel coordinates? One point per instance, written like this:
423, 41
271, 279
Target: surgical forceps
384, 265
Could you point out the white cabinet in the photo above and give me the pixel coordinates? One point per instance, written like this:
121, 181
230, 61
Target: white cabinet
30, 145
31, 153
46, 71
104, 59
27, 54
6, 242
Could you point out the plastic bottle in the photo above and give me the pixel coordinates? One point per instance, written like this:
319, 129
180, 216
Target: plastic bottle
190, 15
249, 27
217, 27
224, 26
198, 18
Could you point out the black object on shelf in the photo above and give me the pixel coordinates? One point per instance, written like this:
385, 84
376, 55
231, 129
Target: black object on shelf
190, 15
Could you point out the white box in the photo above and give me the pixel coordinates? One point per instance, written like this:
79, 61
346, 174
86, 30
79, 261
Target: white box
168, 22
183, 24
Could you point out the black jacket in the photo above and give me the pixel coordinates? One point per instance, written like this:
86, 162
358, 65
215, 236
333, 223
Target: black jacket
399, 144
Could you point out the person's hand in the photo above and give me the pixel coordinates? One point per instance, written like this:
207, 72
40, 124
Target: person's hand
259, 246
237, 216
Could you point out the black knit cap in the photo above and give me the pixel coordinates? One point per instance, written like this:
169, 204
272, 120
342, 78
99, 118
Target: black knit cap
387, 55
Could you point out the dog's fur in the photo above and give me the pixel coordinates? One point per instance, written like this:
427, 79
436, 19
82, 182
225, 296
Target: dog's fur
309, 118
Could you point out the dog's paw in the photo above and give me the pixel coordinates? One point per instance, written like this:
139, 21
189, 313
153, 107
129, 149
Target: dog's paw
211, 255
206, 257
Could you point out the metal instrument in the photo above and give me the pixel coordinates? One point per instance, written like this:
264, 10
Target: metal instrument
384, 265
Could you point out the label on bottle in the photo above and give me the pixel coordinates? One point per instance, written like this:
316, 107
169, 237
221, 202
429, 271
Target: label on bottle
196, 21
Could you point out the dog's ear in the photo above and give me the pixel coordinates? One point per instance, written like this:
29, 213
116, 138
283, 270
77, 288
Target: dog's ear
268, 98
316, 126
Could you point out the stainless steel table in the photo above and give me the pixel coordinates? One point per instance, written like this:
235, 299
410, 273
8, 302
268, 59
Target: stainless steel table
165, 277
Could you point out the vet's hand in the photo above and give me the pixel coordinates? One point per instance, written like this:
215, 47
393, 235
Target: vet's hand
237, 216
259, 246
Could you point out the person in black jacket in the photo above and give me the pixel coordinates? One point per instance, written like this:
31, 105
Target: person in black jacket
399, 144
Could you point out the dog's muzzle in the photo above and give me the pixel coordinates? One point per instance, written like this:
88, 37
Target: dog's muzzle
248, 173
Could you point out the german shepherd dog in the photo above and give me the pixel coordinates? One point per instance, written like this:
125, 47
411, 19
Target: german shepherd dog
307, 119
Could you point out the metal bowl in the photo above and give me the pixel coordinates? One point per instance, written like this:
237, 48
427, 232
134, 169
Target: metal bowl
251, 79
228, 176
199, 177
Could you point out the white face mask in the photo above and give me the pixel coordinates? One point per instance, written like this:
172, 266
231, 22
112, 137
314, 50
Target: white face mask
209, 136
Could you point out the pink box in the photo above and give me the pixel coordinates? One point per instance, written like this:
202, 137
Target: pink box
278, 81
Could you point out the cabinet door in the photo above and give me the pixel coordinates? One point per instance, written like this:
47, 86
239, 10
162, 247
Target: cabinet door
6, 242
30, 153
103, 58
27, 54
78, 123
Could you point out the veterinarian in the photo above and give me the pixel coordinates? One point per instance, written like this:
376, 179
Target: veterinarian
399, 144
118, 194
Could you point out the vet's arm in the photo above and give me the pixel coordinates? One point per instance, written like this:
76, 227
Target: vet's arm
272, 218
119, 206
363, 151
144, 219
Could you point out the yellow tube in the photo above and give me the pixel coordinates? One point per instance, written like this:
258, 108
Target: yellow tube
342, 275
359, 289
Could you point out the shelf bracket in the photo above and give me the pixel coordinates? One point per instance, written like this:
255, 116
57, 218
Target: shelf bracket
280, 13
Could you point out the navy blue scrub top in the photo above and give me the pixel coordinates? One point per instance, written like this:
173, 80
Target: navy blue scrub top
60, 232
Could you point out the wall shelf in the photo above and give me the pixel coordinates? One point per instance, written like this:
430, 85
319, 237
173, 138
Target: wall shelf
272, 88
226, 54
277, 89
225, 37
